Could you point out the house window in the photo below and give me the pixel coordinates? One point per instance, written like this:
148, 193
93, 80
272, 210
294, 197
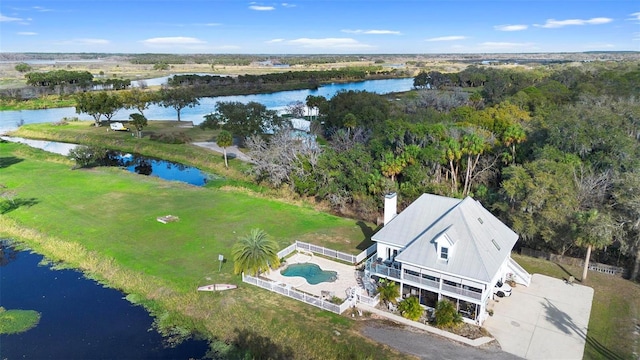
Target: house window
444, 253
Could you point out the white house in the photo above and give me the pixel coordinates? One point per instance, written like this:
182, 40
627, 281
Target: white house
445, 248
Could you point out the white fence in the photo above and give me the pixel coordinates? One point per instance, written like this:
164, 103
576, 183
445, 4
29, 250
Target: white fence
353, 259
371, 301
295, 294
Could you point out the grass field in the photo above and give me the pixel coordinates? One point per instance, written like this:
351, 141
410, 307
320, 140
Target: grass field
103, 221
111, 215
615, 311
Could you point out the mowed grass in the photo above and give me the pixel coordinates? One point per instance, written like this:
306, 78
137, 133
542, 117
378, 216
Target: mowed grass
615, 311
84, 132
103, 221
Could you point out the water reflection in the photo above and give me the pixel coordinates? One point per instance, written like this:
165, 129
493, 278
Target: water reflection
80, 319
163, 169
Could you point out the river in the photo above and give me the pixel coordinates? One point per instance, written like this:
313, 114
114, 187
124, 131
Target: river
9, 120
80, 319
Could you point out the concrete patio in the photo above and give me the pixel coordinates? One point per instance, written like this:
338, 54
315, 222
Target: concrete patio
547, 320
346, 276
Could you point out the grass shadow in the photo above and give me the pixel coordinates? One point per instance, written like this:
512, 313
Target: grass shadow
14, 204
7, 161
569, 274
260, 347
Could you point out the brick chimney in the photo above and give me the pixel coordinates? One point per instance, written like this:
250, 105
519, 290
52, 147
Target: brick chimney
390, 207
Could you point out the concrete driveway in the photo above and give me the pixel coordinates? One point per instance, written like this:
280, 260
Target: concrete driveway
547, 320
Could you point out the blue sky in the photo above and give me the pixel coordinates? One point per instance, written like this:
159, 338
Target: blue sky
319, 26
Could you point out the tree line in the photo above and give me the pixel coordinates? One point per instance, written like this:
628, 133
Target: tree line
553, 151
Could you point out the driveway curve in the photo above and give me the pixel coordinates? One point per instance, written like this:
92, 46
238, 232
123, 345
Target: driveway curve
232, 151
427, 346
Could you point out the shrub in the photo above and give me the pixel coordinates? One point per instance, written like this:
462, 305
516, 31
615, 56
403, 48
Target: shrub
177, 138
86, 156
410, 308
446, 314
389, 291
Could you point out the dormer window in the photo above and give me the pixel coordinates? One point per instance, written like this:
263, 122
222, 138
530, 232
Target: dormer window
444, 253
444, 247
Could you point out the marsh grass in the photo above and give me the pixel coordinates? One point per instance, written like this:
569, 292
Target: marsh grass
17, 321
103, 222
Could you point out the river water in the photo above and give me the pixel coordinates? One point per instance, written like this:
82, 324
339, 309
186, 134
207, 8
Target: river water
80, 319
9, 120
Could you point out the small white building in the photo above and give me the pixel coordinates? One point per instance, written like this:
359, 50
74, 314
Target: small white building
445, 248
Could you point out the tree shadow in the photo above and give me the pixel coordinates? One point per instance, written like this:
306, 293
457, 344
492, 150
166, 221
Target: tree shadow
11, 205
8, 253
569, 274
368, 233
7, 161
259, 347
564, 323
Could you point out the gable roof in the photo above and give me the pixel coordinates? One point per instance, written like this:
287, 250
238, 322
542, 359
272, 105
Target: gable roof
481, 241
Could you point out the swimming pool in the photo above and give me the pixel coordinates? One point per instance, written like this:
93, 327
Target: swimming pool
311, 272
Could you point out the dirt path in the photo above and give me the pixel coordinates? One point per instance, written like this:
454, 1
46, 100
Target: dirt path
232, 151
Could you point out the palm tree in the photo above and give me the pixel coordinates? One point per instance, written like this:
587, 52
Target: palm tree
593, 230
389, 291
224, 140
255, 253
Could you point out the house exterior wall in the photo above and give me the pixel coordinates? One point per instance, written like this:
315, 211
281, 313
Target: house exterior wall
412, 279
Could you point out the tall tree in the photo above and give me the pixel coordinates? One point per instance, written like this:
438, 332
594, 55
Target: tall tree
178, 98
255, 253
224, 140
592, 230
243, 120
139, 122
626, 196
97, 104
137, 99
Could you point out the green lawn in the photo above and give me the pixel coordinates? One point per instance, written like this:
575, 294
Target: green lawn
614, 312
103, 221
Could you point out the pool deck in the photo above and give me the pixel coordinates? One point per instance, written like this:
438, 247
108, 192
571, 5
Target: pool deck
346, 276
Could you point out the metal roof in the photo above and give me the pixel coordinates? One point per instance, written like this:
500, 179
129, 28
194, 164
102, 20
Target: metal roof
481, 242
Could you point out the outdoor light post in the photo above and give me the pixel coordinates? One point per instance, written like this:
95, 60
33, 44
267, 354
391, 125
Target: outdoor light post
220, 258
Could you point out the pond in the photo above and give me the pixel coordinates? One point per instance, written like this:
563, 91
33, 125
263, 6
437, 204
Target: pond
138, 164
80, 319
163, 169
10, 120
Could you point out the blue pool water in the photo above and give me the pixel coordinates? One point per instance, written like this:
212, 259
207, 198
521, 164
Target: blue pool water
311, 272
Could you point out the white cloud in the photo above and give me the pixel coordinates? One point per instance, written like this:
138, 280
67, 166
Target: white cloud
553, 23
27, 33
273, 41
329, 43
172, 41
635, 16
9, 19
447, 38
510, 27
261, 8
372, 32
84, 42
288, 5
41, 9
636, 36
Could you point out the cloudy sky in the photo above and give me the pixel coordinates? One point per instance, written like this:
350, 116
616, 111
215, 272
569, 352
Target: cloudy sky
319, 26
